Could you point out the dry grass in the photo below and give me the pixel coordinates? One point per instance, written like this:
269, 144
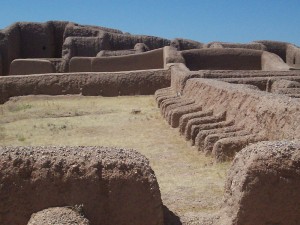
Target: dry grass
191, 184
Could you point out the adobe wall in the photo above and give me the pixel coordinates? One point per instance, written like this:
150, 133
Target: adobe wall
58, 29
262, 79
275, 115
104, 84
293, 56
262, 185
148, 60
10, 47
90, 46
31, 66
272, 62
31, 40
288, 52
115, 186
125, 41
77, 30
142, 61
37, 40
220, 118
58, 216
1, 67
276, 47
80, 64
255, 46
263, 83
185, 44
83, 46
222, 59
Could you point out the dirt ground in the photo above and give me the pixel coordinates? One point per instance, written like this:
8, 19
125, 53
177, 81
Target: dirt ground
191, 184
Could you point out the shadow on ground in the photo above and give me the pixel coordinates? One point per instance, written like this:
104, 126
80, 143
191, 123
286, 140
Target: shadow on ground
170, 218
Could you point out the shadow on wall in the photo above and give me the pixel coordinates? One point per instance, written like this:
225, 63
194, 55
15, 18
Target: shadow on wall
232, 59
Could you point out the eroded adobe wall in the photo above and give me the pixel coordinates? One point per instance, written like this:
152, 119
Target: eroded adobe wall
276, 115
262, 185
115, 186
77, 30
83, 46
31, 40
31, 66
37, 40
255, 46
90, 46
276, 47
186, 44
125, 41
58, 216
221, 118
262, 79
142, 61
1, 67
223, 59
58, 29
10, 46
104, 84
293, 56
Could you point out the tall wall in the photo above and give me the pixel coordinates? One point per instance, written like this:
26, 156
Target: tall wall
10, 46
59, 29
293, 56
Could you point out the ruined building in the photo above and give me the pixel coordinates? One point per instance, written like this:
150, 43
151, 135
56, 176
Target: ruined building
221, 96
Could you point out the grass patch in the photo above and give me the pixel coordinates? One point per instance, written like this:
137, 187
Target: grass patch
190, 182
18, 107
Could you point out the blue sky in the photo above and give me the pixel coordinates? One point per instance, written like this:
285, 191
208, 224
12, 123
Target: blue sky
202, 20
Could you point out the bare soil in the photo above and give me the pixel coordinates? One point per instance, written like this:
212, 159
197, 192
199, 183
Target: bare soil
191, 184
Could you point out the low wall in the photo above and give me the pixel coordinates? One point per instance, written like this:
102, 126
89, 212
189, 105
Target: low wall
143, 61
262, 79
255, 46
263, 83
262, 185
104, 84
31, 66
222, 118
277, 116
114, 186
223, 59
272, 62
80, 64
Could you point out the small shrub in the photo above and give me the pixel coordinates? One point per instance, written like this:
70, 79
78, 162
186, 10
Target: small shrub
21, 137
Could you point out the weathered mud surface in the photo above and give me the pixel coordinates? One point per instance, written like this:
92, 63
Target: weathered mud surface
58, 216
103, 84
115, 186
262, 185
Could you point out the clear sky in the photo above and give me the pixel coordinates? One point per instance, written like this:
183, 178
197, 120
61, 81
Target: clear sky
201, 20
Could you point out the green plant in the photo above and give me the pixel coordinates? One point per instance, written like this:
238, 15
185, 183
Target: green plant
2, 133
18, 107
21, 137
